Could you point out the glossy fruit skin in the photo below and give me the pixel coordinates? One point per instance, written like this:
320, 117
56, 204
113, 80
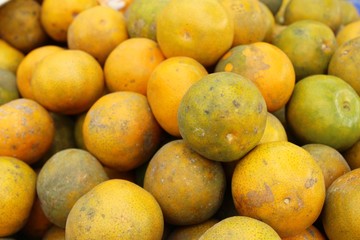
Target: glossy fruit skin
324, 109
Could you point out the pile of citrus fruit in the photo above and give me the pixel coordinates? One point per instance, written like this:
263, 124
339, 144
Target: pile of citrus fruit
179, 119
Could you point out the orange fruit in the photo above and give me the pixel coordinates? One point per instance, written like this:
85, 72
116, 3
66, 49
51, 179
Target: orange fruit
222, 116
248, 19
324, 109
349, 12
56, 18
8, 88
348, 32
21, 26
134, 211
78, 132
97, 31
54, 233
126, 118
344, 63
269, 19
325, 11
331, 161
274, 130
141, 18
17, 195
341, 214
267, 66
167, 84
311, 233
309, 44
192, 29
64, 178
188, 187
67, 82
240, 227
26, 129
352, 155
191, 231
10, 57
26, 68
130, 64
280, 184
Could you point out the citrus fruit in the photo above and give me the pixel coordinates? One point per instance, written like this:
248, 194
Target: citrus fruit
141, 17
274, 130
56, 18
352, 155
134, 211
21, 26
26, 68
248, 20
341, 214
78, 132
191, 231
280, 184
309, 44
126, 118
267, 66
8, 87
222, 116
310, 233
192, 29
240, 227
166, 86
26, 129
269, 22
67, 82
325, 11
324, 109
349, 12
10, 57
344, 63
130, 64
64, 178
54, 233
97, 31
331, 161
17, 195
348, 32
188, 187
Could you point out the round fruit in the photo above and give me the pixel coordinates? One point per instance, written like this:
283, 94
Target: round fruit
63, 179
17, 194
349, 12
120, 203
166, 87
188, 187
97, 31
192, 29
280, 184
344, 63
8, 88
324, 109
67, 81
10, 57
240, 227
348, 32
310, 233
267, 66
121, 131
341, 213
352, 155
222, 116
191, 231
309, 44
274, 130
26, 129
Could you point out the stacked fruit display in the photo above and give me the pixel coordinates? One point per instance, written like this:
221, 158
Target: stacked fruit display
179, 119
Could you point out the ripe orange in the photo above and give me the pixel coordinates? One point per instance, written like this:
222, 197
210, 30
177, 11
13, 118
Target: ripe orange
280, 184
167, 85
348, 32
274, 130
10, 57
120, 203
240, 227
67, 81
54, 233
56, 18
126, 118
324, 109
349, 13
17, 194
188, 187
341, 213
192, 29
191, 231
26, 68
26, 129
311, 233
64, 178
222, 116
130, 64
267, 66
97, 31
